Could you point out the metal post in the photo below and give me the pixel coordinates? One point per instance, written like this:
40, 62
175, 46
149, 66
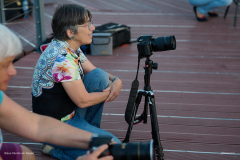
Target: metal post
40, 23
236, 12
2, 12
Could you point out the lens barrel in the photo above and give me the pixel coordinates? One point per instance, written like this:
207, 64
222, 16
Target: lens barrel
133, 151
163, 43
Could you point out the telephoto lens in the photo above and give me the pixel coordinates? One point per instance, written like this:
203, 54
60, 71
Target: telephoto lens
163, 43
133, 151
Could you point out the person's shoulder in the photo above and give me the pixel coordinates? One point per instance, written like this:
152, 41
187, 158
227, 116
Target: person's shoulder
61, 58
55, 49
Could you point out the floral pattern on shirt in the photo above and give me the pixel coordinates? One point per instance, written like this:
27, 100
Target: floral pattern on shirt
64, 69
58, 63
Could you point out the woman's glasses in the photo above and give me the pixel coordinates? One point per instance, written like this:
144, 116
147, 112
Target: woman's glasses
89, 25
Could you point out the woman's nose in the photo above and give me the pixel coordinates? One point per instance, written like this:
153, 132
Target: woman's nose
92, 27
11, 70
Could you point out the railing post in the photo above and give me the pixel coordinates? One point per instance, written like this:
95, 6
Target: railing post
40, 23
236, 12
2, 12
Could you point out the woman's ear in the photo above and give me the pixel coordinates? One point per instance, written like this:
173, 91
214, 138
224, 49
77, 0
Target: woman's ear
69, 33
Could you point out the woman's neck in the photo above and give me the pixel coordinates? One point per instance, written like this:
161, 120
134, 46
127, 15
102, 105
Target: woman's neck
73, 44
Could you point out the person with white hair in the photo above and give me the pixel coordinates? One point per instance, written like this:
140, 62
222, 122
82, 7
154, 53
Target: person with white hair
18, 120
202, 7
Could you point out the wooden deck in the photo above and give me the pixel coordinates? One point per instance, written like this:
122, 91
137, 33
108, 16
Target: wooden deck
196, 86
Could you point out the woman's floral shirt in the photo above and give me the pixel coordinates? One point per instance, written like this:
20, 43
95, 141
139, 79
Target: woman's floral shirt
58, 63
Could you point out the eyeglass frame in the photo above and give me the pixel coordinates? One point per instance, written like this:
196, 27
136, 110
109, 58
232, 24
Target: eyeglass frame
89, 25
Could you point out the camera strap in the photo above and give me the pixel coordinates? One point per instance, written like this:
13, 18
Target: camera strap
132, 100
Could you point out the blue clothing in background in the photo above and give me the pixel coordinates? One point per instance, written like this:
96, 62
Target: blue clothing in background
205, 6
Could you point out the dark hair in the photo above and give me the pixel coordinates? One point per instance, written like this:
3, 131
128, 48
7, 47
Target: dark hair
68, 16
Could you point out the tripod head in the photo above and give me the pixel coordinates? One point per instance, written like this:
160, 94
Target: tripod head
149, 65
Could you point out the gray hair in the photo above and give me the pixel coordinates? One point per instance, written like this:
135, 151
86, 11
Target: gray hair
68, 16
10, 44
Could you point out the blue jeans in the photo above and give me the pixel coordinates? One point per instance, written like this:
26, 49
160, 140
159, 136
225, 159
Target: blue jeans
89, 118
205, 6
95, 81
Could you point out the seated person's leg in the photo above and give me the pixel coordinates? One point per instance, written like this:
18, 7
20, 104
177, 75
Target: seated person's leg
95, 81
72, 153
10, 151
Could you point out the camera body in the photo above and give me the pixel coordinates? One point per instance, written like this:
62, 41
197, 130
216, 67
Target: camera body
126, 151
146, 44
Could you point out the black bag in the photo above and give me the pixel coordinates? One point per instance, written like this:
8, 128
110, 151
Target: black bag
16, 13
120, 33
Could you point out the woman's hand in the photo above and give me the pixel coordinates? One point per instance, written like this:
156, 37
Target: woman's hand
114, 89
94, 155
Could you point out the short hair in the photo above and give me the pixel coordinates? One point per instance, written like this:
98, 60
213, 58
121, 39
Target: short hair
68, 16
10, 44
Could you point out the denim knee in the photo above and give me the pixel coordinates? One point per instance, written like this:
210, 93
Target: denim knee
96, 80
104, 78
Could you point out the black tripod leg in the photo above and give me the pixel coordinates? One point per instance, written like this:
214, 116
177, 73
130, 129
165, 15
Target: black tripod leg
138, 100
145, 112
155, 128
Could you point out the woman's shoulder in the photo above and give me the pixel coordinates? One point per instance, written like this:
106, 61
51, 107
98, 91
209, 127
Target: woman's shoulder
55, 48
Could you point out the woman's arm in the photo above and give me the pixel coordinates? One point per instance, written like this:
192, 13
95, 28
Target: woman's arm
114, 87
79, 95
87, 66
24, 123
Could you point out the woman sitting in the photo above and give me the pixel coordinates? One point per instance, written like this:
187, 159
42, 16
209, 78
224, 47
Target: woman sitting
66, 85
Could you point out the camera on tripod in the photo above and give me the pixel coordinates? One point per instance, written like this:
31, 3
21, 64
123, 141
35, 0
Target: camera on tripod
126, 151
147, 44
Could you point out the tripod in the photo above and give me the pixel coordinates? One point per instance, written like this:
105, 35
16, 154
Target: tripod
149, 101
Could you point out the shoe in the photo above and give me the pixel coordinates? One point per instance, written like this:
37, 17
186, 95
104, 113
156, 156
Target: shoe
199, 19
46, 149
212, 14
